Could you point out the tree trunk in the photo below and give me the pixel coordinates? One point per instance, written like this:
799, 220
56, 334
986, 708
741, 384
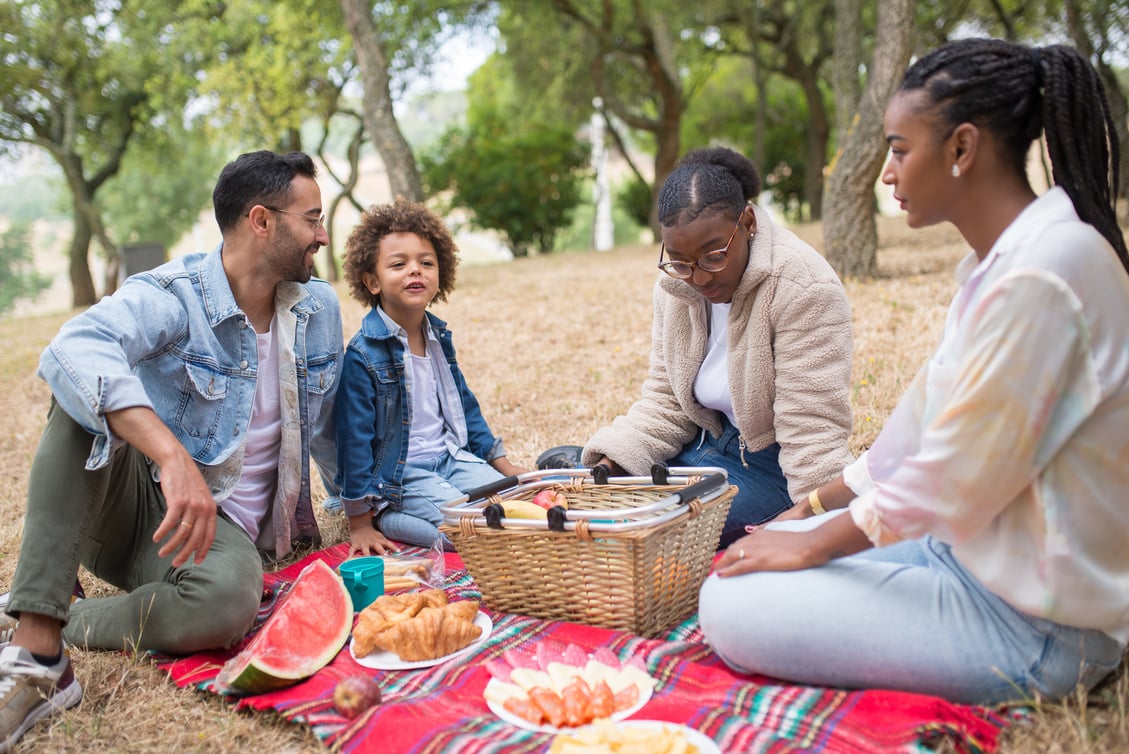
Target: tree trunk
850, 236
82, 284
845, 77
380, 121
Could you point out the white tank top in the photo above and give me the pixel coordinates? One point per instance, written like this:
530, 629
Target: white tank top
711, 386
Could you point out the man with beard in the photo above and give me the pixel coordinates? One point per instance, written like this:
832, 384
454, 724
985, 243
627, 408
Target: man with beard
185, 410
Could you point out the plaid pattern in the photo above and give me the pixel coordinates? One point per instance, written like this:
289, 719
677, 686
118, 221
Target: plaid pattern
441, 709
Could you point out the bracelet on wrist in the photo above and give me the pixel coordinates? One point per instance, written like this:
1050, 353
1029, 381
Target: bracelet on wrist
813, 502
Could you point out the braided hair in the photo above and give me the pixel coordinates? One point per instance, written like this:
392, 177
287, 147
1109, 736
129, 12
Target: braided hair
713, 179
1016, 92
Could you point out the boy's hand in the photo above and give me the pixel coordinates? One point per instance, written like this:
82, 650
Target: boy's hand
365, 540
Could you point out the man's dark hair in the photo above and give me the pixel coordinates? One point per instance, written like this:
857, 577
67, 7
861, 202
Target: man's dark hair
261, 177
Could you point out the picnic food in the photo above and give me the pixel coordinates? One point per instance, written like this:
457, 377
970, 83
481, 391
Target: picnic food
355, 694
548, 498
523, 509
305, 632
416, 626
606, 737
406, 573
562, 686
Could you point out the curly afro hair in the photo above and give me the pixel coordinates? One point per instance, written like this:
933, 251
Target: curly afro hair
401, 216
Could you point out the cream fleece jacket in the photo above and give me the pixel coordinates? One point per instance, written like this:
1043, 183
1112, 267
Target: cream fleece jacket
789, 367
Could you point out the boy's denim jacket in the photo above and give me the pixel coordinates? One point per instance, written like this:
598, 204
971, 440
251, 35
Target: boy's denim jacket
374, 413
173, 339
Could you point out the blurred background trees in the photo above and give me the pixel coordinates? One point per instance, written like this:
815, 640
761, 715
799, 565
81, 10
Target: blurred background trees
137, 104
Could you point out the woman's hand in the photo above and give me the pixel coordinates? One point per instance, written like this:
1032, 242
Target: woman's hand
770, 550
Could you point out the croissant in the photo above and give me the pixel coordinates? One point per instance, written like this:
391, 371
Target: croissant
399, 607
433, 632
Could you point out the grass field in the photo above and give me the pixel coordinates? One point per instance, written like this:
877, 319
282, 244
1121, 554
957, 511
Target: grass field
554, 347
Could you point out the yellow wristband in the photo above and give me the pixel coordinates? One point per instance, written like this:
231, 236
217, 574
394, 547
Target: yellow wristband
816, 506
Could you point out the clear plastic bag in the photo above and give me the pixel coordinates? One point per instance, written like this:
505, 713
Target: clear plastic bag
402, 572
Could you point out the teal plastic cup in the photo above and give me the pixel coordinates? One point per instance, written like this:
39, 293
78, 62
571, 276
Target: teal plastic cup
364, 579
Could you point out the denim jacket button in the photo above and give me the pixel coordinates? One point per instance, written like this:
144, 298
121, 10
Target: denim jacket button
243, 364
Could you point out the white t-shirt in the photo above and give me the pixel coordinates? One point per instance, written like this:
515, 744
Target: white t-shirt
1012, 444
711, 386
426, 436
253, 496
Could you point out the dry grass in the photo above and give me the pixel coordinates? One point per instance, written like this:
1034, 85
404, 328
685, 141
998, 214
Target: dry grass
554, 348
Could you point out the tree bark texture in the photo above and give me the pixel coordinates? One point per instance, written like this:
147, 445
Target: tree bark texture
380, 121
850, 235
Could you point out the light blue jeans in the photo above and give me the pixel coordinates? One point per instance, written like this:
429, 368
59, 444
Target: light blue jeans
907, 617
762, 490
427, 485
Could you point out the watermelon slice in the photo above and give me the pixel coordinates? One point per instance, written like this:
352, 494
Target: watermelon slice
305, 632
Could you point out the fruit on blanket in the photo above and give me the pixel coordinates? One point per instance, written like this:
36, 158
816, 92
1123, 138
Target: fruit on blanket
523, 509
548, 498
355, 694
307, 630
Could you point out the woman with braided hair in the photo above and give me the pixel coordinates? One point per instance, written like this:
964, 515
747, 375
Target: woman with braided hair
994, 498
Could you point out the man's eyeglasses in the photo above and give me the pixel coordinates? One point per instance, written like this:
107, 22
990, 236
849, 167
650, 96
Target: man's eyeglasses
315, 223
712, 261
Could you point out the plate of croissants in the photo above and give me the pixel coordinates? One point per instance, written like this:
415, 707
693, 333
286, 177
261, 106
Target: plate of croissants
417, 630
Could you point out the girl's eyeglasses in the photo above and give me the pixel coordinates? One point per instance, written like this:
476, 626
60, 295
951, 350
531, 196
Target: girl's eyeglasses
712, 261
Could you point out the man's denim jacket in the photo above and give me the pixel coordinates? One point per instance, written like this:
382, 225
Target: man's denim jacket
173, 339
374, 413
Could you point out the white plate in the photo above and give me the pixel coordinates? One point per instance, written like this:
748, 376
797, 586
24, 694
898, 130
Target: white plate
382, 660
521, 722
696, 738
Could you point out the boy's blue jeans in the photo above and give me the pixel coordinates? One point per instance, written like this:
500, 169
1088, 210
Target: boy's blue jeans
105, 519
427, 485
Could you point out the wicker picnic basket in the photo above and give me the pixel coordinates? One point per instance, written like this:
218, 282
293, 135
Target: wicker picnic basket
629, 553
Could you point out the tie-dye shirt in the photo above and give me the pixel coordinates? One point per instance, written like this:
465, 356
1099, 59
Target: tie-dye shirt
1012, 444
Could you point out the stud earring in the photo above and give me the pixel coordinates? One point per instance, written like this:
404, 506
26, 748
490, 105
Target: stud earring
956, 170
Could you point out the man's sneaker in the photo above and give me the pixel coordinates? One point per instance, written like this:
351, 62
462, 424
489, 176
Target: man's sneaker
29, 692
8, 623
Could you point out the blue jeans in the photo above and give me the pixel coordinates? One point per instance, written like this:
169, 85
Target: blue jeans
427, 485
762, 490
907, 617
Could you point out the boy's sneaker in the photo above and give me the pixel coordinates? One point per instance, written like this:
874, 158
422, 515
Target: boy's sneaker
30, 692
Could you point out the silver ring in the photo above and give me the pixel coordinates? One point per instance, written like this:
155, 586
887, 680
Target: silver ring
740, 554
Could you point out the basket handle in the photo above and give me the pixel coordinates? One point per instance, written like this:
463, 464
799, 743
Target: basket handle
487, 490
700, 488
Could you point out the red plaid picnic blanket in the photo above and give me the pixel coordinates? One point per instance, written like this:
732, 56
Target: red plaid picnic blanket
442, 709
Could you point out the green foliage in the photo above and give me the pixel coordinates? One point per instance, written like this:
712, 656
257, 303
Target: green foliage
164, 183
724, 112
578, 235
523, 184
18, 279
633, 198
33, 196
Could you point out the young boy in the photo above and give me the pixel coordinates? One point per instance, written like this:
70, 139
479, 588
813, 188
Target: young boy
410, 434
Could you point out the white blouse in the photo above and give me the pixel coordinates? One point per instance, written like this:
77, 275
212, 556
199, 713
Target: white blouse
1012, 444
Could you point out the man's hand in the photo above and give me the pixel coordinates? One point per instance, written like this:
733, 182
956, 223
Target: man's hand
189, 525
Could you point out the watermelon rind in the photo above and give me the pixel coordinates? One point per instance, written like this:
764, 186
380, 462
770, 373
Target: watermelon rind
306, 631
